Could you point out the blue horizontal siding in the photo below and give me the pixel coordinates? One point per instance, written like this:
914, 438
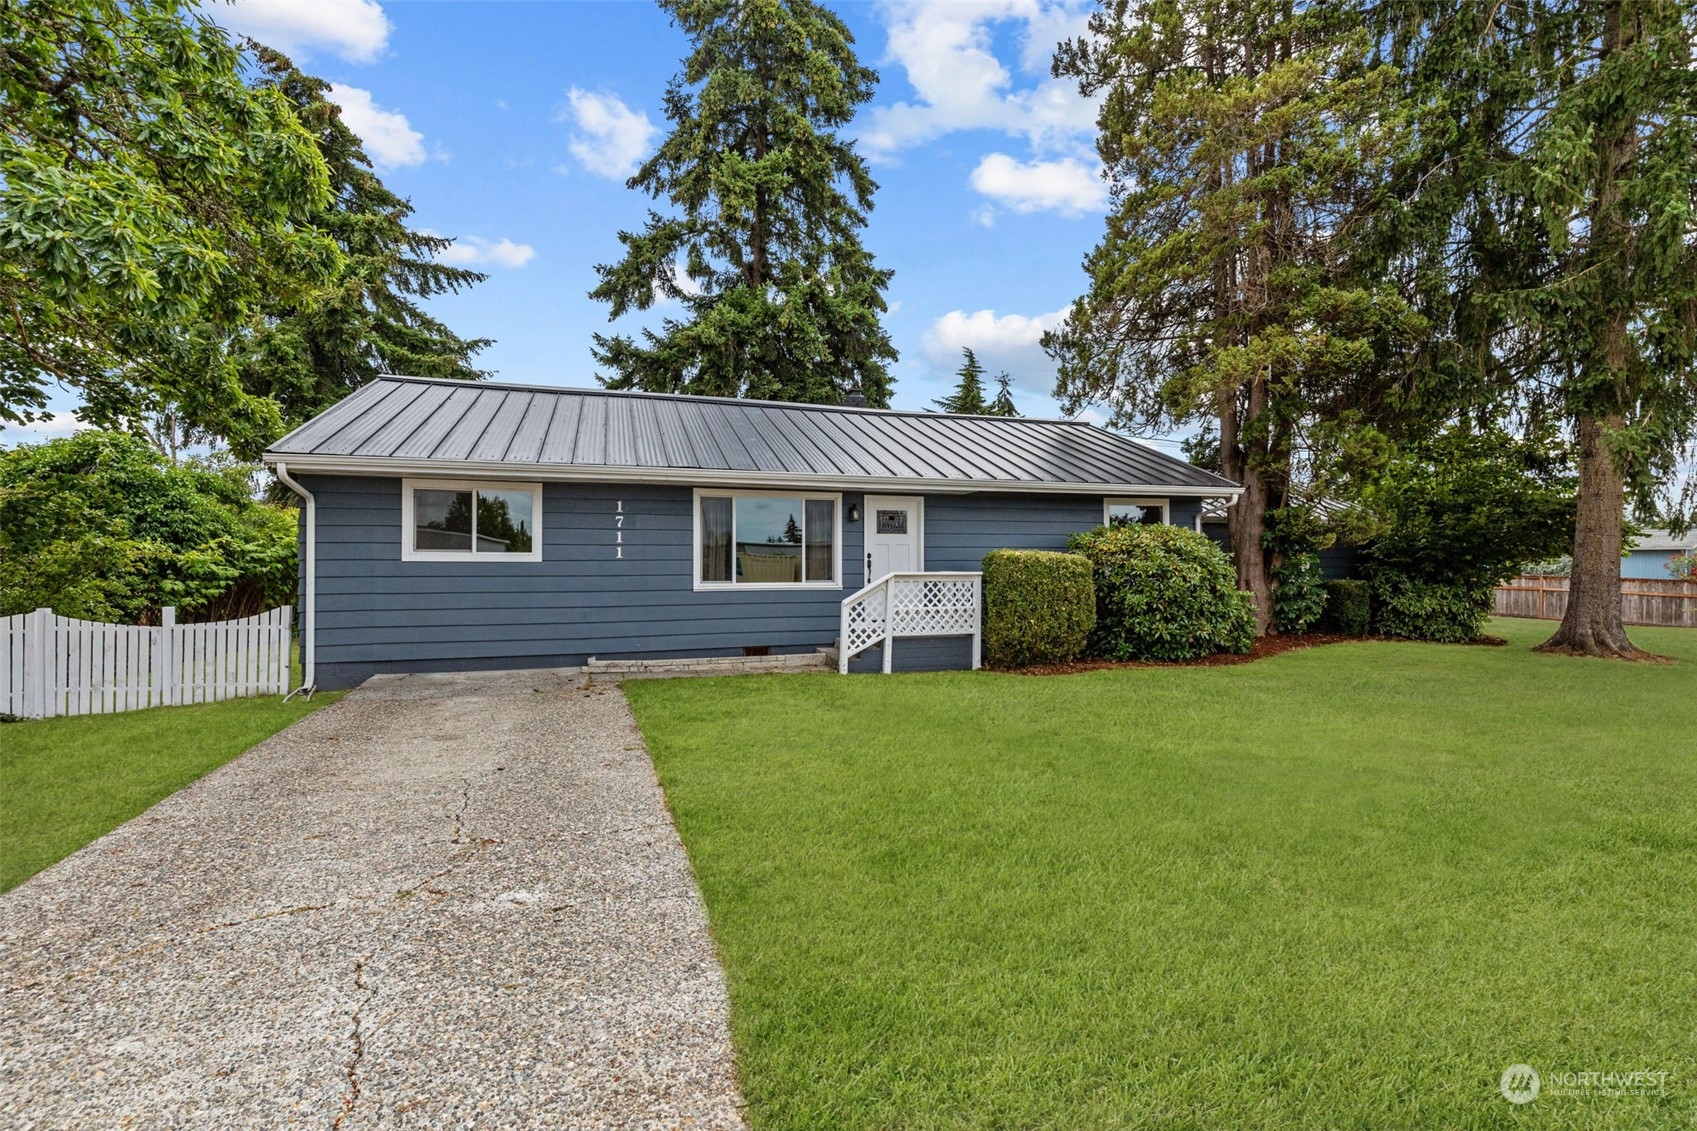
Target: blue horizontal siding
1647, 564
377, 613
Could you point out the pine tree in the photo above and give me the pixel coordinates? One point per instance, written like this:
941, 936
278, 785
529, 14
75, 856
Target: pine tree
782, 301
1240, 138
1556, 203
968, 396
309, 354
1002, 405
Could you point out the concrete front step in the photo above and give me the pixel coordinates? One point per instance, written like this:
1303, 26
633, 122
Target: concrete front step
825, 659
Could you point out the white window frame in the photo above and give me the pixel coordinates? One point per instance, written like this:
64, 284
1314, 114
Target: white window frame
408, 554
1166, 506
733, 494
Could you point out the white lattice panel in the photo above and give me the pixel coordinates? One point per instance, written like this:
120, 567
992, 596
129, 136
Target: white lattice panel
909, 604
933, 608
865, 618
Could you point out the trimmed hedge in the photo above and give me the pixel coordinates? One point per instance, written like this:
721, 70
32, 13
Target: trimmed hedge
1164, 593
1039, 607
1445, 613
1349, 608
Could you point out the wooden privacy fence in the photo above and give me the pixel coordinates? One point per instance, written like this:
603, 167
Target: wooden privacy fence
52, 665
1643, 600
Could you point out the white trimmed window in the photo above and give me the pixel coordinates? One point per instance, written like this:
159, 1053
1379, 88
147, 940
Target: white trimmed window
771, 539
448, 521
1135, 512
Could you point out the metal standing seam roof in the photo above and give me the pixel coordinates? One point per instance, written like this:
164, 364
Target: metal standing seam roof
421, 425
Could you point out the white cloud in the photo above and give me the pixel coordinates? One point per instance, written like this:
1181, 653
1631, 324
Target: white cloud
1007, 341
389, 138
51, 427
947, 53
1067, 186
355, 30
470, 251
680, 279
610, 139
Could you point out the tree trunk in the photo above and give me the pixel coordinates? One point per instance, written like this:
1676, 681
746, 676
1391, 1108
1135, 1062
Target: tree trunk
1592, 625
1246, 519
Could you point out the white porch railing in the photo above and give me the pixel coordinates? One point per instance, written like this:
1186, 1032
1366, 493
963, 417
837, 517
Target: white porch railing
911, 604
52, 665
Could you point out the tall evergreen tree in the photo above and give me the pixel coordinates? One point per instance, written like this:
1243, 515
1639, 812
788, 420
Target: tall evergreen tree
968, 396
1002, 404
1557, 200
310, 352
1241, 138
782, 301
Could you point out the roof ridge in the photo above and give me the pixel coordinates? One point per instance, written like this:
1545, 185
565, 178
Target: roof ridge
640, 394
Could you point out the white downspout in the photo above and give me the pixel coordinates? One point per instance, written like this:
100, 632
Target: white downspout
310, 621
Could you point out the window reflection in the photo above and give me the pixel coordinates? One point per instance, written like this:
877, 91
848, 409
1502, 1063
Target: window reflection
442, 520
768, 539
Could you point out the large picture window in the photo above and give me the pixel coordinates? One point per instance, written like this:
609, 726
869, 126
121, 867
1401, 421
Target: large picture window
446, 521
766, 538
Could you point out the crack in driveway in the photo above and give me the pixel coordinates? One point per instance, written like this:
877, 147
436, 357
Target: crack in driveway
237, 984
357, 1042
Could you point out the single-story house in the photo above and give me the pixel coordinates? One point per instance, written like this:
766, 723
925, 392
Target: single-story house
1649, 556
453, 526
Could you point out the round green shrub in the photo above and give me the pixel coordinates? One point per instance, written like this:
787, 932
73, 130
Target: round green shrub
1349, 608
1039, 607
1415, 609
1164, 593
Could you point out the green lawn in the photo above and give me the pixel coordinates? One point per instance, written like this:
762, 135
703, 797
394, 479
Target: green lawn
64, 782
1344, 887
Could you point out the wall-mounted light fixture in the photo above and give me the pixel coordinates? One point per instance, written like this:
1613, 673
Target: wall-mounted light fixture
854, 512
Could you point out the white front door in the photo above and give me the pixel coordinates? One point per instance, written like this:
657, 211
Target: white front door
894, 535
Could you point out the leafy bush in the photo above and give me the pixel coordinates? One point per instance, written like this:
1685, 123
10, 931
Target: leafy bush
1451, 613
1683, 567
100, 525
1164, 593
1349, 608
1039, 607
1461, 515
1301, 596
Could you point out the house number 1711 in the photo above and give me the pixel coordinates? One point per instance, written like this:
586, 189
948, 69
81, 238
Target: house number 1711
619, 529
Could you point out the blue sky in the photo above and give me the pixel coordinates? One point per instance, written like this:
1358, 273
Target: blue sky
512, 128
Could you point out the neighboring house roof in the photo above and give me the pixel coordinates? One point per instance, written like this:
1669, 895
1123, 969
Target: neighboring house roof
1662, 540
426, 426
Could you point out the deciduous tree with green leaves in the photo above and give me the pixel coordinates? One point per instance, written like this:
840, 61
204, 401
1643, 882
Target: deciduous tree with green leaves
1242, 139
310, 351
781, 299
150, 202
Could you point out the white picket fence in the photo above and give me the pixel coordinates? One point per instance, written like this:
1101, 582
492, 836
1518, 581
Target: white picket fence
52, 665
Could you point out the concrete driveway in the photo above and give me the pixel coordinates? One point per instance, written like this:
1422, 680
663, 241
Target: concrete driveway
443, 901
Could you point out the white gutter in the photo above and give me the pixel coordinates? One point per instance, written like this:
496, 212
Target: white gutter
710, 477
309, 623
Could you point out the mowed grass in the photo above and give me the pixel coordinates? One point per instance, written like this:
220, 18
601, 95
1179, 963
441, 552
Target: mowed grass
64, 782
1340, 888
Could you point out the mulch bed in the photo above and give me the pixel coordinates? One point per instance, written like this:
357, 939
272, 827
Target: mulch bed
1263, 647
